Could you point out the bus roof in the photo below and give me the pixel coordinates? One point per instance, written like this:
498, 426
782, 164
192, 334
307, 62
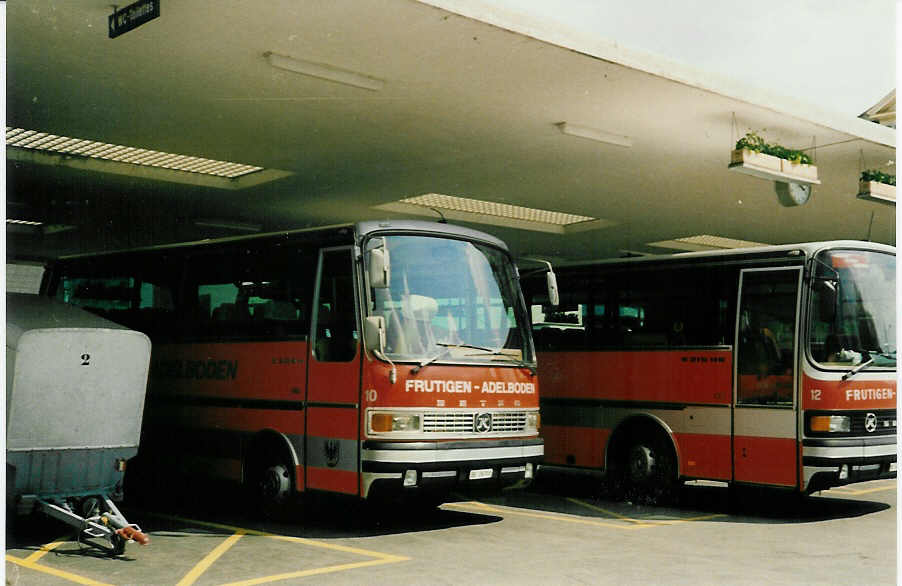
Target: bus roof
776, 251
361, 229
436, 228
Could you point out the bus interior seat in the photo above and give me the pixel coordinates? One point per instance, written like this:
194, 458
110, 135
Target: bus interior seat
231, 312
277, 310
644, 339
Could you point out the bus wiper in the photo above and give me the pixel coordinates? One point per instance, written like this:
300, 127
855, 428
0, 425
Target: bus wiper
445, 350
518, 361
491, 352
858, 369
429, 361
471, 346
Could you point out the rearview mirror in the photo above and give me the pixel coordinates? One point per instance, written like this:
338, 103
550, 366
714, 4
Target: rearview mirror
374, 333
554, 297
379, 267
828, 295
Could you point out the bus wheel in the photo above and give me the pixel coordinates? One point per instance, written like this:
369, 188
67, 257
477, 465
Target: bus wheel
648, 469
271, 487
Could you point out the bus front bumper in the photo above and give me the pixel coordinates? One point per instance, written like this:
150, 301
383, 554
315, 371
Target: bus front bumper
430, 467
835, 462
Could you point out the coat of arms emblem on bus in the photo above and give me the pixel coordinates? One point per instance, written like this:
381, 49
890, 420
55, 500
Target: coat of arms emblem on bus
870, 422
482, 423
332, 449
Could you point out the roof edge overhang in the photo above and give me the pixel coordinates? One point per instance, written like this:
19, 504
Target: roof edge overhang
562, 36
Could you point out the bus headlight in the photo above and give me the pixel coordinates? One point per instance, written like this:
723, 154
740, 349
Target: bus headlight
533, 421
388, 422
830, 423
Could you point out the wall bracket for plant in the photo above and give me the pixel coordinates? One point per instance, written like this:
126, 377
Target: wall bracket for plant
877, 186
753, 156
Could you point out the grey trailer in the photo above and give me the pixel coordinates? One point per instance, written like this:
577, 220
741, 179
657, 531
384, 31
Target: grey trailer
75, 386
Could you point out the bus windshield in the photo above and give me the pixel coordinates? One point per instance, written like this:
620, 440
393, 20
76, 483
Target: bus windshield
449, 300
853, 316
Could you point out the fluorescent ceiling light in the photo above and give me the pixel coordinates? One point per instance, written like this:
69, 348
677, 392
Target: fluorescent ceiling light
594, 134
227, 225
324, 71
35, 227
43, 141
705, 242
498, 214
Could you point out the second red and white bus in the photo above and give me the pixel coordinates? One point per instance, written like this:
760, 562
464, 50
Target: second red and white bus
357, 359
769, 366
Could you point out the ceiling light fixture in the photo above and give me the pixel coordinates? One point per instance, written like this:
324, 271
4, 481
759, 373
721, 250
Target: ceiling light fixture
24, 222
227, 225
494, 213
42, 148
51, 143
323, 71
594, 134
705, 242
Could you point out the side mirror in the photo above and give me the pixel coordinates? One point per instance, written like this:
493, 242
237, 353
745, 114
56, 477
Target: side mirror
554, 298
374, 333
379, 267
828, 296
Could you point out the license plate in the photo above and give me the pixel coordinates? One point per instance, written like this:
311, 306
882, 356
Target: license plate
480, 474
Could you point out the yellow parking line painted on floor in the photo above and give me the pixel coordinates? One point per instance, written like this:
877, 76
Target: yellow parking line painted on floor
54, 572
378, 557
208, 560
45, 549
301, 540
646, 522
315, 571
605, 511
548, 516
854, 492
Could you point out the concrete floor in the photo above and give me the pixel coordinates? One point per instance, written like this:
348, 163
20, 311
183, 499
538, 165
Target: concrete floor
544, 535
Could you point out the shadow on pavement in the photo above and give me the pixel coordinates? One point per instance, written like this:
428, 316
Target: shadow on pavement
585, 495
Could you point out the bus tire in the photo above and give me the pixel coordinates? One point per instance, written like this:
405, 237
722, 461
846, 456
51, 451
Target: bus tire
270, 482
645, 470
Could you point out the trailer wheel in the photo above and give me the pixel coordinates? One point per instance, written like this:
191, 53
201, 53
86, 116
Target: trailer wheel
646, 467
118, 542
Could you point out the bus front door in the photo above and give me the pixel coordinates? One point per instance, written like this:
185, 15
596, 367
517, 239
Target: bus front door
333, 378
764, 400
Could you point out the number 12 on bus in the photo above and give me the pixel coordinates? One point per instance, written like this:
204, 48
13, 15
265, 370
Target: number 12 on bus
373, 358
769, 366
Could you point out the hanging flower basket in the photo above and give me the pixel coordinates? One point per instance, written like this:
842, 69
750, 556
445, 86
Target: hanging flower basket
877, 186
755, 157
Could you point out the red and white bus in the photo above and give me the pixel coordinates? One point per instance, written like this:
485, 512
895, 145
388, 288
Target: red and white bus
766, 366
355, 359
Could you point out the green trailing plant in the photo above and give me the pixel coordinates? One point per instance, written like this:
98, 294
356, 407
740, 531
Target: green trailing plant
752, 142
878, 176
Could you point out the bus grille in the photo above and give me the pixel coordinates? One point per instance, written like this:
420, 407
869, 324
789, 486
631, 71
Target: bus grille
886, 422
462, 422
